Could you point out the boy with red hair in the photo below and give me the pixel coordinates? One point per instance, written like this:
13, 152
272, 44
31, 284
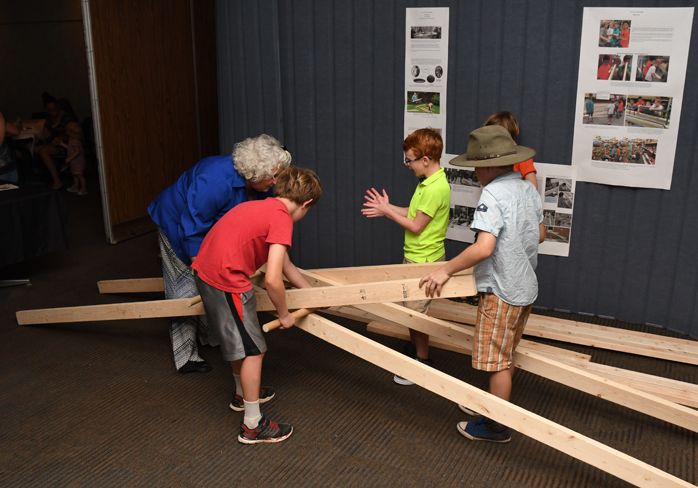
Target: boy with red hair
425, 220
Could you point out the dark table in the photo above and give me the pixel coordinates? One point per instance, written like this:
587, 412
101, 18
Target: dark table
32, 223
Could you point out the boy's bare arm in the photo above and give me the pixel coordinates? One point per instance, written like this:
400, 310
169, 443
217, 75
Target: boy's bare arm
541, 230
274, 282
379, 206
293, 275
532, 178
474, 254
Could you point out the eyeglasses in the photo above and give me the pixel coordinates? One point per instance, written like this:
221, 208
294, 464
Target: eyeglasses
408, 161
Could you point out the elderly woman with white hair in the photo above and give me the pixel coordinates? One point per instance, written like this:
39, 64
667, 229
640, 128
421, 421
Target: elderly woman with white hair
186, 211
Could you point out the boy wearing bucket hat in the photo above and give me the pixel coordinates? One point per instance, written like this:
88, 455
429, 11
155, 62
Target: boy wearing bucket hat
508, 220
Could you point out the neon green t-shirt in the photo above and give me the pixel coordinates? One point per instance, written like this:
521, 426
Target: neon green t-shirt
433, 197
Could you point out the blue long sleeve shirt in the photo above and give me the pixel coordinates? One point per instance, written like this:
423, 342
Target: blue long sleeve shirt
186, 210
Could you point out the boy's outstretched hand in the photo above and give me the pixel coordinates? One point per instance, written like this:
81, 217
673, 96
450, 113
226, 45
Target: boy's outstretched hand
434, 281
376, 204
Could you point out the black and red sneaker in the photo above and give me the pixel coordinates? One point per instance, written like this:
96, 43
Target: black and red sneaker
266, 393
266, 431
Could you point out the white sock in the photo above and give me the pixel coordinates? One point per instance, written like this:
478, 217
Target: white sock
252, 414
238, 384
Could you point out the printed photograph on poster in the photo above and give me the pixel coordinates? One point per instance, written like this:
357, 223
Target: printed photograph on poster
424, 102
632, 72
614, 33
604, 108
557, 187
425, 32
625, 150
615, 67
653, 69
651, 112
426, 74
458, 177
426, 68
461, 216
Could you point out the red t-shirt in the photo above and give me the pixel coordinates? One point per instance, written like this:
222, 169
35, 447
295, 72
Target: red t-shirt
604, 72
525, 167
624, 37
238, 244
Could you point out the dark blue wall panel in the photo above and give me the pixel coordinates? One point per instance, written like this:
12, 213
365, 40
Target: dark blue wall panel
326, 78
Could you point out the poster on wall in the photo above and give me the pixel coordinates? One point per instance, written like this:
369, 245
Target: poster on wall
426, 69
632, 69
556, 185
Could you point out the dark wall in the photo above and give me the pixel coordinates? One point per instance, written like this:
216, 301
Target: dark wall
43, 49
326, 78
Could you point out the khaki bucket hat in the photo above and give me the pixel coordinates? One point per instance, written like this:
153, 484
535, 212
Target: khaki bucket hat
492, 146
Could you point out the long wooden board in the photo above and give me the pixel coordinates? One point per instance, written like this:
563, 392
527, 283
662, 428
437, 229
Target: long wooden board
386, 291
115, 311
363, 293
554, 435
346, 276
142, 285
672, 390
550, 369
400, 332
650, 345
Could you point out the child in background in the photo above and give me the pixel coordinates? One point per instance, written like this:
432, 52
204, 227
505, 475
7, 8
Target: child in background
246, 237
76, 158
425, 221
605, 68
611, 111
509, 222
624, 35
508, 121
590, 109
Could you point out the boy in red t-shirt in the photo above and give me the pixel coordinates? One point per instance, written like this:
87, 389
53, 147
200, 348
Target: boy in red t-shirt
508, 121
248, 236
624, 35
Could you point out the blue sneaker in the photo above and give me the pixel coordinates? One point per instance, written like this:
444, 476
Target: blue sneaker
484, 429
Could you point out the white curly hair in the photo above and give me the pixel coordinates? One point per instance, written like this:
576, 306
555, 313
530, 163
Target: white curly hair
258, 158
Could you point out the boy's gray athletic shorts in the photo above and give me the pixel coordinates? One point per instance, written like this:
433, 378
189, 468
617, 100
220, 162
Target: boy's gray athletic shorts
233, 318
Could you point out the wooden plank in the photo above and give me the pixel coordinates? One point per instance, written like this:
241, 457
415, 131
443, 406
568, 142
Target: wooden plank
554, 435
400, 332
375, 292
114, 311
348, 276
390, 272
142, 285
672, 390
351, 313
550, 369
566, 331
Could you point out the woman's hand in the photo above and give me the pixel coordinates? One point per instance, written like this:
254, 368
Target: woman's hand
377, 204
56, 142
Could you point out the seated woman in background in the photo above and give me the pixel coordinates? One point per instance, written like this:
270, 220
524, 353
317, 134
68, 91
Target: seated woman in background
54, 133
8, 158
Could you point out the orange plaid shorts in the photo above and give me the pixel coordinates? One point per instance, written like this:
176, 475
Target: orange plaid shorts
498, 330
